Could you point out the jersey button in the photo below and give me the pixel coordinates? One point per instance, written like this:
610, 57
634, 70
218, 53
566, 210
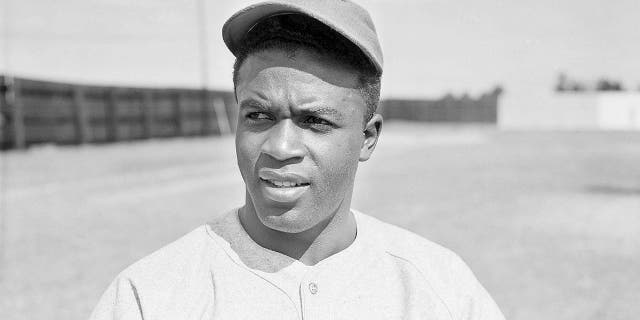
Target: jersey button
313, 288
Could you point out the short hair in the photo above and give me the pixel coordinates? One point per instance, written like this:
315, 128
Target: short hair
292, 32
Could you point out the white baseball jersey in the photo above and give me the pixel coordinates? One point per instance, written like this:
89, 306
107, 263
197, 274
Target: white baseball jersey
218, 272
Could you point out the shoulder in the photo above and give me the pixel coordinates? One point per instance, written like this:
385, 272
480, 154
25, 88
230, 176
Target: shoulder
171, 279
185, 255
405, 244
442, 270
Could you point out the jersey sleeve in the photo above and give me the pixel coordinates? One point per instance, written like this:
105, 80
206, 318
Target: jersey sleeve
478, 304
483, 307
119, 302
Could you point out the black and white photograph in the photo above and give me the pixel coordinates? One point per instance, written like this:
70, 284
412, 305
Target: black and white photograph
319, 159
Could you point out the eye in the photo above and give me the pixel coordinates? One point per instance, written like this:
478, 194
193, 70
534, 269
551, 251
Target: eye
317, 121
258, 116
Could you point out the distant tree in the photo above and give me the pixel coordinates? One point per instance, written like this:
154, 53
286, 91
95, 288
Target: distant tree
497, 91
608, 85
576, 86
561, 84
564, 83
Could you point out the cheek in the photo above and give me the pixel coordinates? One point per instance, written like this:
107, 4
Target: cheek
339, 162
247, 152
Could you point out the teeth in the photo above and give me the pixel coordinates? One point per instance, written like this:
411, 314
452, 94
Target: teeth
284, 184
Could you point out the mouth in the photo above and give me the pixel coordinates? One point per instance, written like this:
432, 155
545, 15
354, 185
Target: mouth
283, 187
284, 183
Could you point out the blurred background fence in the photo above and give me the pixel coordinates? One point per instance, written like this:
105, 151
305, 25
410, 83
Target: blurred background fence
483, 109
34, 112
48, 112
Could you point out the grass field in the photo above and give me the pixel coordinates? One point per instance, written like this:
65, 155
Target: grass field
550, 222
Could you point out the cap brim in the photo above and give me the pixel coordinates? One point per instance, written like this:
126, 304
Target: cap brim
241, 23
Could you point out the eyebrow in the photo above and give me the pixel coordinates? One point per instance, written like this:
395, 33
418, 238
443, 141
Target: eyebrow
327, 111
253, 104
320, 110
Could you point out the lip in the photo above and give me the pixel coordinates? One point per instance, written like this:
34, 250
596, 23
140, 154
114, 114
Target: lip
278, 175
282, 194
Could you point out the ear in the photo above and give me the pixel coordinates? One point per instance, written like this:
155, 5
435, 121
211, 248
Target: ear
371, 134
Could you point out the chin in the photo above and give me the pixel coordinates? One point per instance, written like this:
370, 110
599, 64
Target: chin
293, 220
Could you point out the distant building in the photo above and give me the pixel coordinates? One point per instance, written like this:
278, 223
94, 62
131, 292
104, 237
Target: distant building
597, 110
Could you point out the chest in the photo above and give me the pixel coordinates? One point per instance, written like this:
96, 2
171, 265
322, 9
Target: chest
377, 292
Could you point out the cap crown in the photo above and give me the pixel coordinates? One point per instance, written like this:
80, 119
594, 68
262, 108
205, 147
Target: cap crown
344, 16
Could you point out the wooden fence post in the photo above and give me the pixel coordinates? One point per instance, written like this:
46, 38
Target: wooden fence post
205, 115
17, 114
3, 106
147, 113
179, 114
81, 120
221, 115
111, 115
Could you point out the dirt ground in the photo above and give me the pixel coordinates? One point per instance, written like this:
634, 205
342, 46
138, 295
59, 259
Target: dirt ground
549, 222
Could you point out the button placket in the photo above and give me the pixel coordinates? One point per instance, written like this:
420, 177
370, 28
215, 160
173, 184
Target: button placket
312, 302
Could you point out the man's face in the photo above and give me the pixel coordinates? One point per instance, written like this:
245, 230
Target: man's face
299, 137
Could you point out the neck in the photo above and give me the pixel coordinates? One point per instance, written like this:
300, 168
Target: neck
310, 246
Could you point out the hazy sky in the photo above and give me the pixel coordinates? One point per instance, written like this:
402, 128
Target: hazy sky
431, 47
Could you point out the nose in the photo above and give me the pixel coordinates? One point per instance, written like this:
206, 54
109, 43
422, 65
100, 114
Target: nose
284, 141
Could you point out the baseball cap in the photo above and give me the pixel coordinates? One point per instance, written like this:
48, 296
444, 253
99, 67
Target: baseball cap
343, 16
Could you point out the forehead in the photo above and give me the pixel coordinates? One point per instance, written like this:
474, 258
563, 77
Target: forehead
284, 79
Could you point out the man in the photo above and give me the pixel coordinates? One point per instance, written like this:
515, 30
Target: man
307, 82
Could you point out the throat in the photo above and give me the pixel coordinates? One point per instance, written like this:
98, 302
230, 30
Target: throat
310, 246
